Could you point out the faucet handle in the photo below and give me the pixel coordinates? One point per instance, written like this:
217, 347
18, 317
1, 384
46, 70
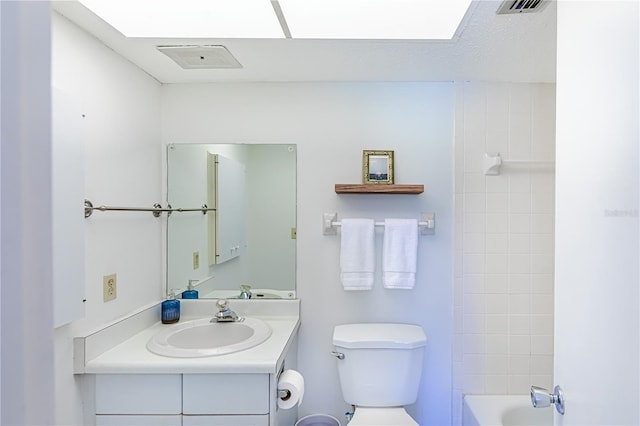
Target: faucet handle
222, 305
541, 398
245, 292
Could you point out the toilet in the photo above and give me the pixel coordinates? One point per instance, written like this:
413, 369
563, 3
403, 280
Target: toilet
379, 365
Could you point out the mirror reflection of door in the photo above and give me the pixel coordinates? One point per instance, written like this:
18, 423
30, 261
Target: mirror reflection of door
227, 193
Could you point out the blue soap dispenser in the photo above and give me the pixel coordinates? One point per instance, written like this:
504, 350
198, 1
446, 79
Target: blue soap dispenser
190, 292
170, 309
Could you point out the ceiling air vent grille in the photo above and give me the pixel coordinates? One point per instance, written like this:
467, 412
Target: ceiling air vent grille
521, 6
201, 57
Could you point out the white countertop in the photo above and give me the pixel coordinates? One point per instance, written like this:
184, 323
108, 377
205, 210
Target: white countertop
131, 356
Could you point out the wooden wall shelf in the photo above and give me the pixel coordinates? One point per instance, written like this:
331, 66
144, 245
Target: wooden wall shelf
353, 188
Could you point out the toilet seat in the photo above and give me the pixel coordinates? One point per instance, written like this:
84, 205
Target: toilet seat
383, 416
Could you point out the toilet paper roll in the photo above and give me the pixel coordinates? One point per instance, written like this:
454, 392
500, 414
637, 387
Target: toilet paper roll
292, 381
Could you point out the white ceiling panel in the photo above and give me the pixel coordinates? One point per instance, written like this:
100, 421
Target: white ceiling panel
374, 19
189, 18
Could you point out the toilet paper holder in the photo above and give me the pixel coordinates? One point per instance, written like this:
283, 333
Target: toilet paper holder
290, 389
284, 394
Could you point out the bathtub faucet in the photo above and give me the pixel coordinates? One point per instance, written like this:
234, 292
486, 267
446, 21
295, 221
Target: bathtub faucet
541, 398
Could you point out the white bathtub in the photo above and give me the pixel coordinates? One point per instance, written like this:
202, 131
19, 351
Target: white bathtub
504, 410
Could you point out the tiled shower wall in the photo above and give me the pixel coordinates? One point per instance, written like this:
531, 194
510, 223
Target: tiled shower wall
504, 248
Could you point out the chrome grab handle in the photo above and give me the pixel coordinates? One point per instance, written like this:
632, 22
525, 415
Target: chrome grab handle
338, 355
541, 398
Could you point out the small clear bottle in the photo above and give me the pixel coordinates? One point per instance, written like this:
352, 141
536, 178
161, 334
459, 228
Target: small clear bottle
190, 292
170, 309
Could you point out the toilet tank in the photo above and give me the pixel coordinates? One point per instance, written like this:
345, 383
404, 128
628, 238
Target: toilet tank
382, 363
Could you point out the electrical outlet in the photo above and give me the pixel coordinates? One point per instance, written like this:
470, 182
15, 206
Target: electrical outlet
196, 260
109, 287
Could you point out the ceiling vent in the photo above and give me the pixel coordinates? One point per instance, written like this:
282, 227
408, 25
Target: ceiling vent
201, 57
521, 6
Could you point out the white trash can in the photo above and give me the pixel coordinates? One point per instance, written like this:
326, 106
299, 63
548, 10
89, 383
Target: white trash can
318, 420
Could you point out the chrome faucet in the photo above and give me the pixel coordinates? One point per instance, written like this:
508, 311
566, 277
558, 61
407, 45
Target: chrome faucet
245, 292
225, 314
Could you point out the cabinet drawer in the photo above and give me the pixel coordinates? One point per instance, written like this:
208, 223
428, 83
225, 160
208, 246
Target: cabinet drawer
225, 394
116, 420
138, 394
262, 420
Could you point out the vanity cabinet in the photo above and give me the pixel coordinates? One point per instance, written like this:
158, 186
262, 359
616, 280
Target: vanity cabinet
183, 399
225, 420
225, 394
138, 420
139, 394
126, 384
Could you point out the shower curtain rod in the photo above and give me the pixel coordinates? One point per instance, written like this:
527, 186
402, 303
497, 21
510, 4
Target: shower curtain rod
157, 209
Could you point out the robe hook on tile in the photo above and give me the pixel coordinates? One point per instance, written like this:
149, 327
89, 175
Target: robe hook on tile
426, 225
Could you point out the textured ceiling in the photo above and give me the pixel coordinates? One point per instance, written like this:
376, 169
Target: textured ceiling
490, 47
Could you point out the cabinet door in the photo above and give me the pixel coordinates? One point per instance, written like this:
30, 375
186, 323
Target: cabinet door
225, 420
262, 420
225, 394
115, 420
138, 394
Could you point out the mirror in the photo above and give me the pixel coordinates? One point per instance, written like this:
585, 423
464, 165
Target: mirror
239, 224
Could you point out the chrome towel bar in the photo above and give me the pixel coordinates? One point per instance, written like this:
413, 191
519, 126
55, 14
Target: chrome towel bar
426, 225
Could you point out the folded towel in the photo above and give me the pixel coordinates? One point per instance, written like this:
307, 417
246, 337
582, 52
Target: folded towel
399, 253
357, 259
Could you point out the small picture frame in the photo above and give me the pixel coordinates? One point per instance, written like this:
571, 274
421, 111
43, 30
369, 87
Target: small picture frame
377, 167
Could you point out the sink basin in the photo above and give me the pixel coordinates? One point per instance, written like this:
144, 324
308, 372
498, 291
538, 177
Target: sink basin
201, 338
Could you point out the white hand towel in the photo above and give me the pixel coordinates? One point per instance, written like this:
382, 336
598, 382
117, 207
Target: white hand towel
357, 259
399, 253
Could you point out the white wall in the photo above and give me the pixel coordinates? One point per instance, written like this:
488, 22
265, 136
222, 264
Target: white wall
122, 167
504, 240
331, 125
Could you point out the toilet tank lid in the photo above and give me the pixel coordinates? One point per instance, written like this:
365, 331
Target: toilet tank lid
379, 335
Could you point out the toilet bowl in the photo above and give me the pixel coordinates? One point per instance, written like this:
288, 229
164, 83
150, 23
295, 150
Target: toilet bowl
379, 365
388, 416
